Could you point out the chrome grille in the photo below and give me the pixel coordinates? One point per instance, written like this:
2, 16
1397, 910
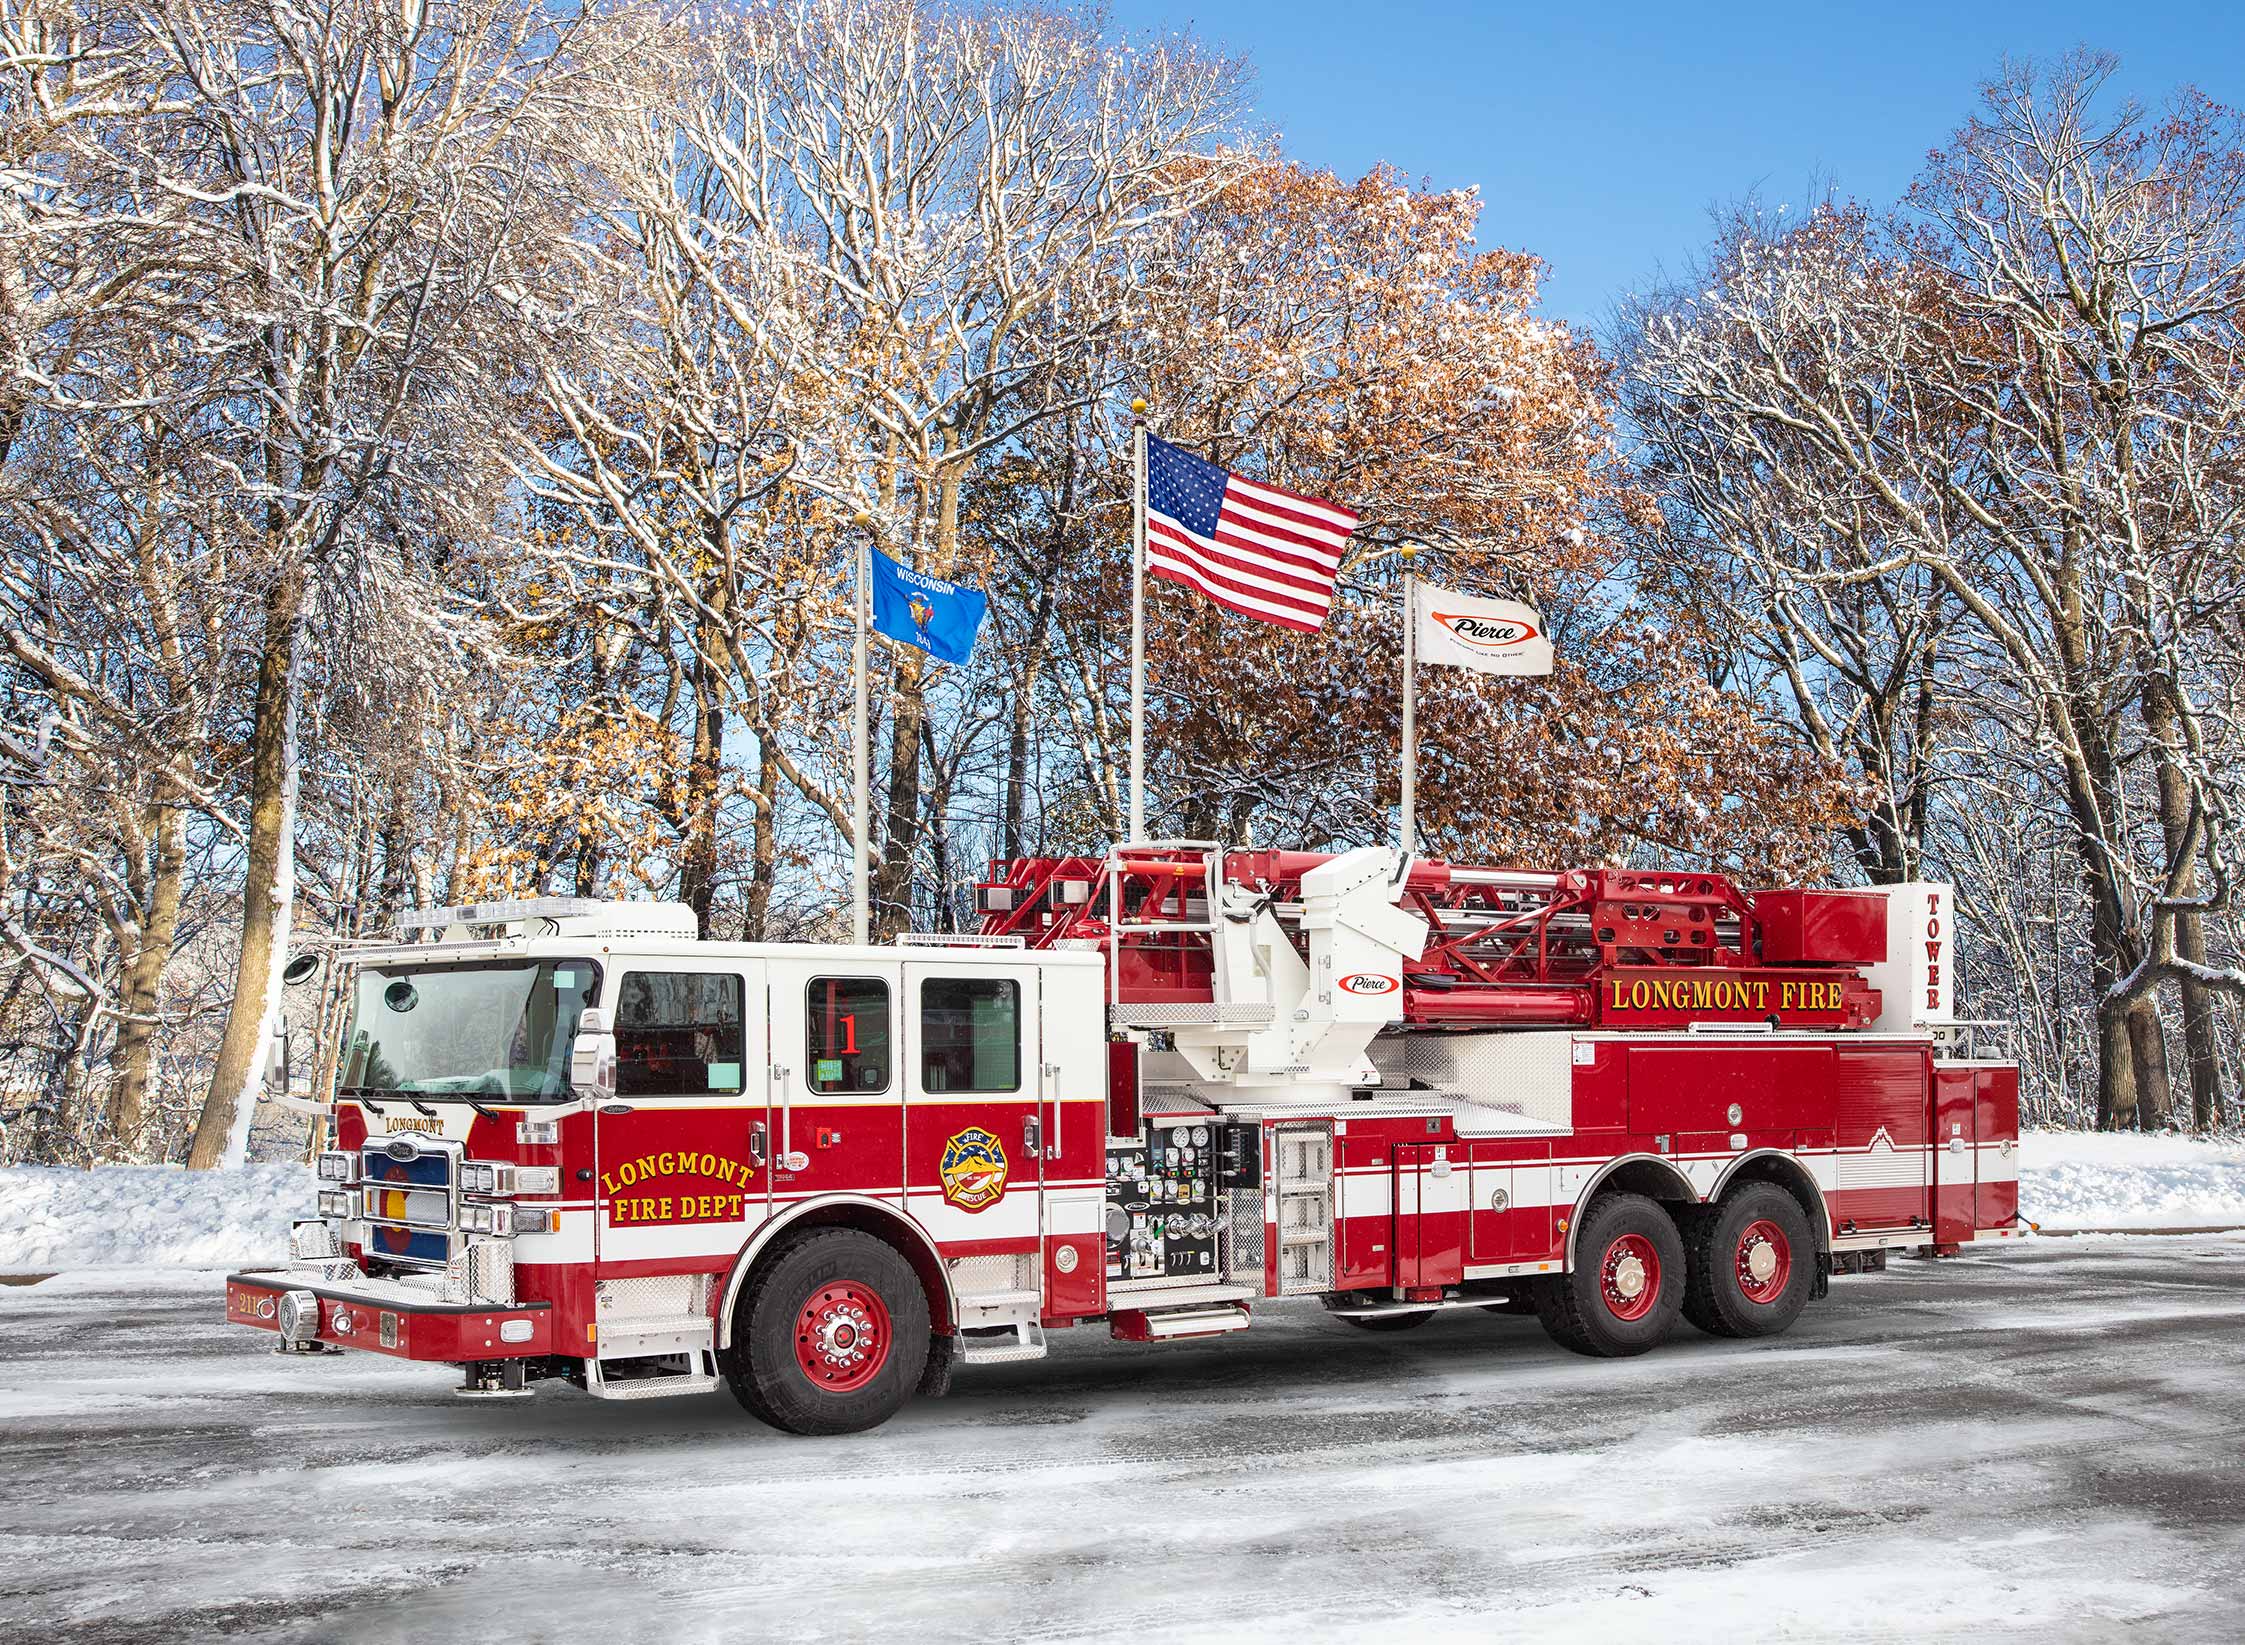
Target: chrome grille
409, 1199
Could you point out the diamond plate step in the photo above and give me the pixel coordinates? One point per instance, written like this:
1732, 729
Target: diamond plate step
1024, 1340
651, 1387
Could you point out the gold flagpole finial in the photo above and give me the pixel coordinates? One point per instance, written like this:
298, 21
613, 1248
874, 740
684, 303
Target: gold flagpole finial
1138, 408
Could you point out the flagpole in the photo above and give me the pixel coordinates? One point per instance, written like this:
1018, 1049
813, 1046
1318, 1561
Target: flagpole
861, 854
1138, 621
1410, 699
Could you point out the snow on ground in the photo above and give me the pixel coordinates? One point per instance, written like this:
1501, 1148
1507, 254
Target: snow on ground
2078, 1179
2032, 1446
130, 1216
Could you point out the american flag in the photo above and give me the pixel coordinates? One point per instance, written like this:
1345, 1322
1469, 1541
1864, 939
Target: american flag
1251, 548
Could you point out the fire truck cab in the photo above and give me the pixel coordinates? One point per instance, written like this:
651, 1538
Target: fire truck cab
571, 1141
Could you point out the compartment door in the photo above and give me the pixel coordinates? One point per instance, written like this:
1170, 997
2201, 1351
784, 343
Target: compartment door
1955, 1158
1996, 1139
1489, 1213
1431, 1190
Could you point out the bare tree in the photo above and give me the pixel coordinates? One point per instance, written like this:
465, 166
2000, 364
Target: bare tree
2028, 387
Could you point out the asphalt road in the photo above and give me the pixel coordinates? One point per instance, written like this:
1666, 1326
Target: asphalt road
2046, 1444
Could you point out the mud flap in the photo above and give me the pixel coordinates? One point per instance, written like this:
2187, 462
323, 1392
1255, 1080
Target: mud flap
935, 1376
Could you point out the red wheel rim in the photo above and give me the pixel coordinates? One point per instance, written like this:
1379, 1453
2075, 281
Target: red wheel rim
842, 1336
1629, 1277
1765, 1262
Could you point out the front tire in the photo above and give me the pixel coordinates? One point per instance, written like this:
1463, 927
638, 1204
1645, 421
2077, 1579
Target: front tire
1753, 1264
1627, 1284
830, 1336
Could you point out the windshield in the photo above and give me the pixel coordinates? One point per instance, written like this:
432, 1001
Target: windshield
489, 1029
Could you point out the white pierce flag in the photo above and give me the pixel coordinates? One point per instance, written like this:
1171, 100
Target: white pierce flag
1494, 636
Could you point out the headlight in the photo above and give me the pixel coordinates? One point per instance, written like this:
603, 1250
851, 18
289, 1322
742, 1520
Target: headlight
486, 1177
335, 1167
335, 1202
477, 1219
534, 1219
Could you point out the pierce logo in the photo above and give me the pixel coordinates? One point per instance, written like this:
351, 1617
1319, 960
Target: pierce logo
1369, 982
1487, 633
974, 1169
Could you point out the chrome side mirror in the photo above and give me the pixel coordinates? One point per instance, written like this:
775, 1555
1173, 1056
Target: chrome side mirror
592, 1056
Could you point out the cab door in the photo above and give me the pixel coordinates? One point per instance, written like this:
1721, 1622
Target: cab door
978, 1118
682, 1152
836, 1083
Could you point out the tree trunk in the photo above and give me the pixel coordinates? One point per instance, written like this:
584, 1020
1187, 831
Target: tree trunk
2147, 1041
1017, 777
2202, 1046
135, 1053
763, 850
268, 889
697, 864
2201, 1042
2116, 1077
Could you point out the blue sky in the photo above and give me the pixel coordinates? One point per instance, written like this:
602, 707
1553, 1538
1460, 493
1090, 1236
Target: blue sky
1600, 135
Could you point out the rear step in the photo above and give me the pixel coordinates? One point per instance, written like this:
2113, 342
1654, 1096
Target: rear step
1143, 1325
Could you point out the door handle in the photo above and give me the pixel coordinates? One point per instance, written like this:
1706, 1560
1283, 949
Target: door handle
1031, 1134
1050, 1074
758, 1148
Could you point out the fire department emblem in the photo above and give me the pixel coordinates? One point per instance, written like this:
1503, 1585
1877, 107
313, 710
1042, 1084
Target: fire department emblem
974, 1169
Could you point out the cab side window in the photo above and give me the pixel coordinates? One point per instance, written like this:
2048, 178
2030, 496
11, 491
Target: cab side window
970, 1034
846, 1034
678, 1034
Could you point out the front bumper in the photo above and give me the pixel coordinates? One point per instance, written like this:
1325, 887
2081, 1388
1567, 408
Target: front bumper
386, 1317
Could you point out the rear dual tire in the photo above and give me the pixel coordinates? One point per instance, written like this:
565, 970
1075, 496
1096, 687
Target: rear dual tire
1753, 1264
1626, 1287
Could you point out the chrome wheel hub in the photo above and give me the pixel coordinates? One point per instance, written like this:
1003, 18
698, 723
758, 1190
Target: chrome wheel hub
1629, 1277
844, 1334
1761, 1261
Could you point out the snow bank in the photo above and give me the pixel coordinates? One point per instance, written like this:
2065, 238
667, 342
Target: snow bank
2088, 1179
138, 1216
132, 1216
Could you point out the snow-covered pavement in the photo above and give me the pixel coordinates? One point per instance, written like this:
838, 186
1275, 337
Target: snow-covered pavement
2041, 1444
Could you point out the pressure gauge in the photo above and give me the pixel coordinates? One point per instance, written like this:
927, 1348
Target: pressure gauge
1200, 1136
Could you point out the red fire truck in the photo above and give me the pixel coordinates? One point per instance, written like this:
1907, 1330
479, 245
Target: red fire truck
573, 1142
